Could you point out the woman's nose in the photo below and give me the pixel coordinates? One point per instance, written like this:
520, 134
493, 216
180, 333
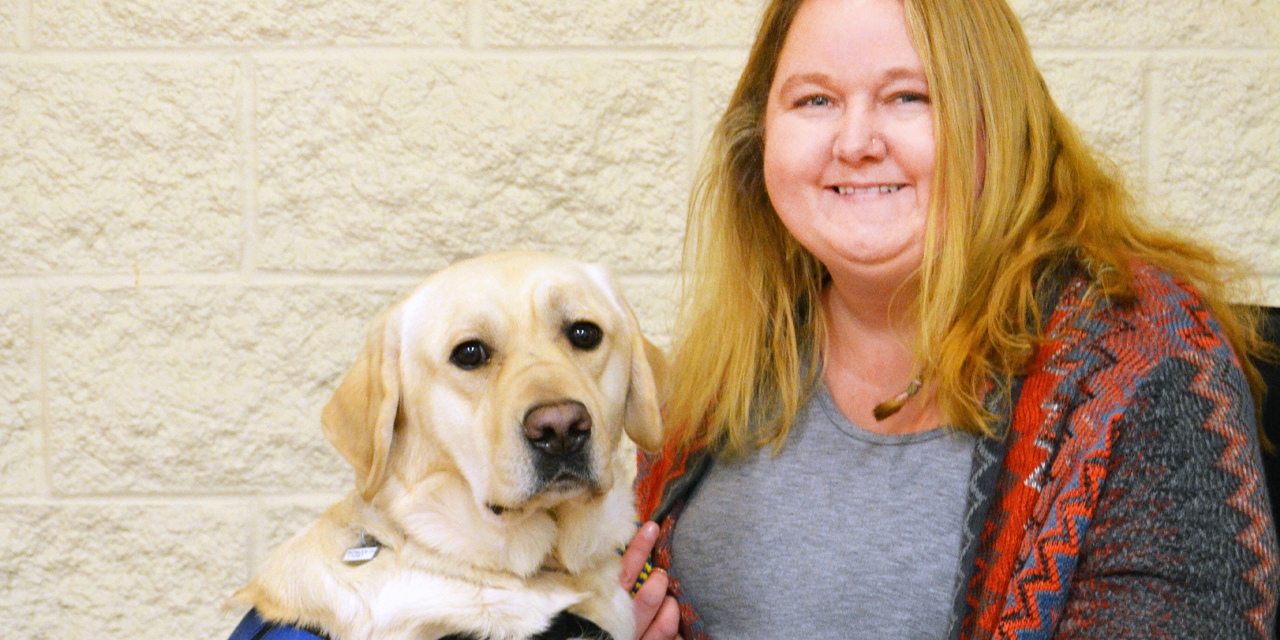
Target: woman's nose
858, 139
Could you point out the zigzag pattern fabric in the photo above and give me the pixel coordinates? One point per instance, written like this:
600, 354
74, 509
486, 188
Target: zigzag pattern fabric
1126, 498
1131, 499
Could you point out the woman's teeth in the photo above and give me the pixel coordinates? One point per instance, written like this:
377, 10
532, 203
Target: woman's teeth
887, 188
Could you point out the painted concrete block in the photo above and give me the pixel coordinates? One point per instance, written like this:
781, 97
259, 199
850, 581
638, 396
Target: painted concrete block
95, 571
620, 22
120, 167
1154, 23
282, 521
1104, 98
409, 164
654, 298
200, 390
76, 24
8, 25
20, 428
1217, 166
1267, 291
718, 77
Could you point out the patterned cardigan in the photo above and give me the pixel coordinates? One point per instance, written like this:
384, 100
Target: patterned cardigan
1125, 498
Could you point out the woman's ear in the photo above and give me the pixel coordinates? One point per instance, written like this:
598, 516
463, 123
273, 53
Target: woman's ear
360, 419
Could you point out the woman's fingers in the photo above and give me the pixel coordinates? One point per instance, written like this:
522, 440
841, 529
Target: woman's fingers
666, 624
637, 554
656, 614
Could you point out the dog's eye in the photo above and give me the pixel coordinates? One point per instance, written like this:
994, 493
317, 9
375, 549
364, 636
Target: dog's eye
471, 354
584, 335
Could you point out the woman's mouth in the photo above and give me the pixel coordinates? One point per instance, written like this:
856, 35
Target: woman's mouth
883, 188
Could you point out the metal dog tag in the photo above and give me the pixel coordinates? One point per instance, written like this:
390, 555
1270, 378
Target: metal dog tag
365, 551
360, 554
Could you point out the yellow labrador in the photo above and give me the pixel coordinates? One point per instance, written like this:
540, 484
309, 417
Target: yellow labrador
483, 421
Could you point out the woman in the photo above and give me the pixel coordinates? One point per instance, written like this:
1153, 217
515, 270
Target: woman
935, 377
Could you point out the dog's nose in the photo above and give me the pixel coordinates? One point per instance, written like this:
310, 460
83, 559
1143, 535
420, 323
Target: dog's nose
558, 428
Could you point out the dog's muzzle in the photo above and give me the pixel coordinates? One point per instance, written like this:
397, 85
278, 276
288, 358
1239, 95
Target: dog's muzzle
559, 433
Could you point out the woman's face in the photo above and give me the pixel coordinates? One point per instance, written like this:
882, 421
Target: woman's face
849, 147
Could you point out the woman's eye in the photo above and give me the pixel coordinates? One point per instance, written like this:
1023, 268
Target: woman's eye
471, 354
911, 96
584, 335
813, 101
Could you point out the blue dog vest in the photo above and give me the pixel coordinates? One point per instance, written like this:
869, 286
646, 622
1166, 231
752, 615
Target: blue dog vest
564, 626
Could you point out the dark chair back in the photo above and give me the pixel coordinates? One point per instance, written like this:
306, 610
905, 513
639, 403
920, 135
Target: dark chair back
1271, 419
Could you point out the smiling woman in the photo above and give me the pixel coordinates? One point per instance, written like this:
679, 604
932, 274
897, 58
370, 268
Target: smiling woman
848, 164
849, 148
935, 377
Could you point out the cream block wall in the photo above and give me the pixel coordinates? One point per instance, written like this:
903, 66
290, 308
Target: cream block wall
203, 204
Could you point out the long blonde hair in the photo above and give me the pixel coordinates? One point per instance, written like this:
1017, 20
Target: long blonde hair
750, 314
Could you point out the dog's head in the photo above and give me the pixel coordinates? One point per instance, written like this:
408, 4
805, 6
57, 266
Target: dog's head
518, 371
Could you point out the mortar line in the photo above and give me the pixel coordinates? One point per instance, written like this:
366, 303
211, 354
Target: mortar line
254, 539
1268, 284
259, 279
697, 113
228, 279
466, 50
342, 52
649, 276
1146, 133
473, 41
1153, 91
249, 173
1174, 52
318, 499
40, 342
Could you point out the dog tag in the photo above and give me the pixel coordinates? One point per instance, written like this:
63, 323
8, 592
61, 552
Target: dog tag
360, 554
365, 551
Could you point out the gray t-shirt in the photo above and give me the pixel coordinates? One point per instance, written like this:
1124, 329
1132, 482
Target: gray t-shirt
844, 534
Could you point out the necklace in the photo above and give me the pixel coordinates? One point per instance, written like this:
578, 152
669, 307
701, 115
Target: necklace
891, 406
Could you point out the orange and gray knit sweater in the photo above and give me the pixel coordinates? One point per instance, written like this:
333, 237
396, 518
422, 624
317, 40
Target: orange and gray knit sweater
1125, 498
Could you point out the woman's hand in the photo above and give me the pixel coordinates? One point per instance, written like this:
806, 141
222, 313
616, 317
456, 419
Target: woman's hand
657, 615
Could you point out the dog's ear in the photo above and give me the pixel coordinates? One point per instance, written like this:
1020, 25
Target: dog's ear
643, 418
360, 419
